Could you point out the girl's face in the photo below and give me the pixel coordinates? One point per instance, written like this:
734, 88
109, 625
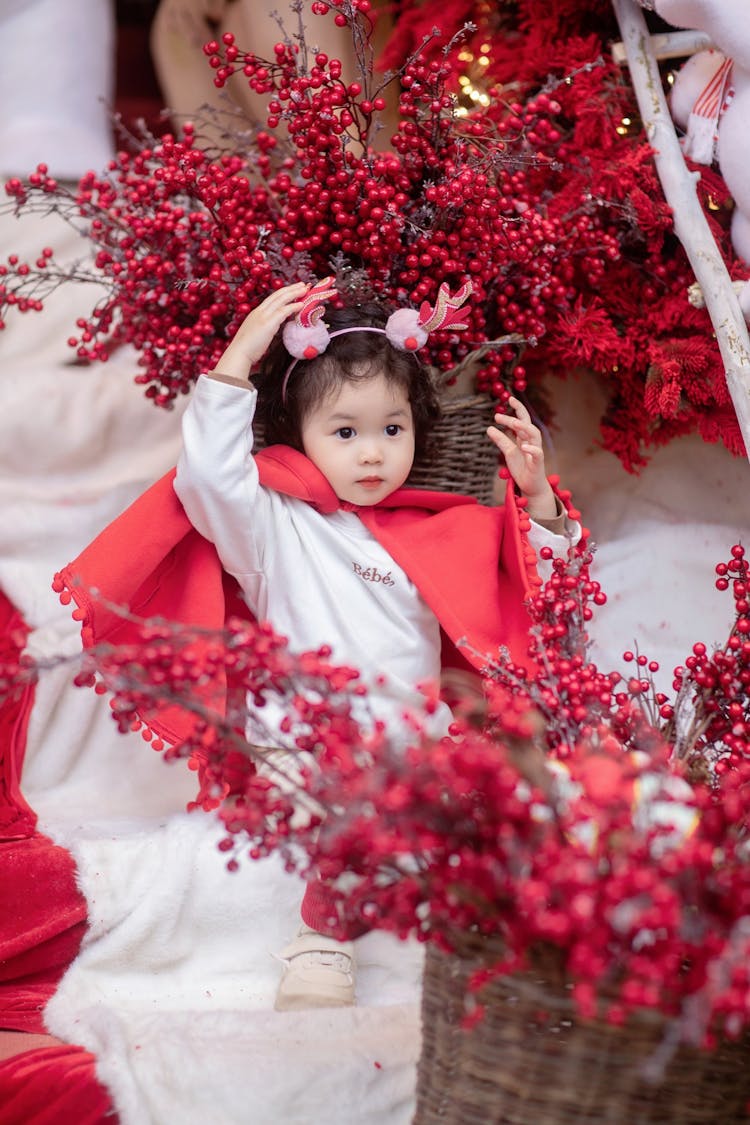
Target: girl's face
362, 440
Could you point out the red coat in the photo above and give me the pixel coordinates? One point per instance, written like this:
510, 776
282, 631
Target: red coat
471, 563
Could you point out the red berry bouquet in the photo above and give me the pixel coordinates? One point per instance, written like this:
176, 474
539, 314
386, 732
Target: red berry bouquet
517, 161
572, 810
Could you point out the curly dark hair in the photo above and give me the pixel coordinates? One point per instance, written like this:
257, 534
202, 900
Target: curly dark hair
350, 358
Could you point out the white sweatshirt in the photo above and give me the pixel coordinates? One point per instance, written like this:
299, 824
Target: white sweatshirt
318, 579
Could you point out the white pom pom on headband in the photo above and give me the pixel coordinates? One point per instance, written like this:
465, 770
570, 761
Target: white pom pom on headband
307, 335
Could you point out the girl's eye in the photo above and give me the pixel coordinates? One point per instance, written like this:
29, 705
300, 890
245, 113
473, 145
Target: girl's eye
345, 432
393, 430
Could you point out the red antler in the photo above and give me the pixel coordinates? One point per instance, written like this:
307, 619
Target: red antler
447, 311
314, 303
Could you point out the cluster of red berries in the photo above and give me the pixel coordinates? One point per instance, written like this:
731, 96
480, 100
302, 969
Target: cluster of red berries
715, 686
23, 285
560, 249
187, 241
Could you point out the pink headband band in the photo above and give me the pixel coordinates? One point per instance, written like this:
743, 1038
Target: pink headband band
307, 336
331, 335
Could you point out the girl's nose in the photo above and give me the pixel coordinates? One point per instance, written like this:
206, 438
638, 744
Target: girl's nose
370, 453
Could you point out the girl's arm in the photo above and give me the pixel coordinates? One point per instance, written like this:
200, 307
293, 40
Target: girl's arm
217, 480
524, 457
520, 442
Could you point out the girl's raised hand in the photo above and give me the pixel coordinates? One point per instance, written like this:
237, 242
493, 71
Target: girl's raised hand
253, 337
520, 443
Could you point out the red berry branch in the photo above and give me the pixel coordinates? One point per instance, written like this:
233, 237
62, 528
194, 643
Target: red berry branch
517, 161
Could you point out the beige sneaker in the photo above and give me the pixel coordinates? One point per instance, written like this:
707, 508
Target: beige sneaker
318, 973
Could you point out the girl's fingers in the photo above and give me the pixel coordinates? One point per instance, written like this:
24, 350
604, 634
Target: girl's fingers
499, 437
287, 293
520, 409
533, 451
521, 429
290, 299
511, 423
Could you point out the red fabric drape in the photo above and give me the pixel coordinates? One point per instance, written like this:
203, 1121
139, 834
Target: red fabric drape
16, 818
42, 923
53, 1086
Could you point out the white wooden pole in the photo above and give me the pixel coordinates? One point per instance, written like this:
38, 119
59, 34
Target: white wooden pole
691, 227
669, 45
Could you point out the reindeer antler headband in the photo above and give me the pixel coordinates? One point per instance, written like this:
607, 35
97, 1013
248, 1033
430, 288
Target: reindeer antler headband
307, 335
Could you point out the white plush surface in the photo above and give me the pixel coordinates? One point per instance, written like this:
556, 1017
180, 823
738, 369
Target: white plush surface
173, 988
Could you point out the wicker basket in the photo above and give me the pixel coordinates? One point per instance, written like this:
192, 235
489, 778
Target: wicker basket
465, 460
530, 1061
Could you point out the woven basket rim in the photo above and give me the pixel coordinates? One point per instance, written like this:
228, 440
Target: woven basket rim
532, 1058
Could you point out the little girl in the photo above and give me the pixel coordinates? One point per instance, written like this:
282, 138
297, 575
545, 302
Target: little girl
336, 550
